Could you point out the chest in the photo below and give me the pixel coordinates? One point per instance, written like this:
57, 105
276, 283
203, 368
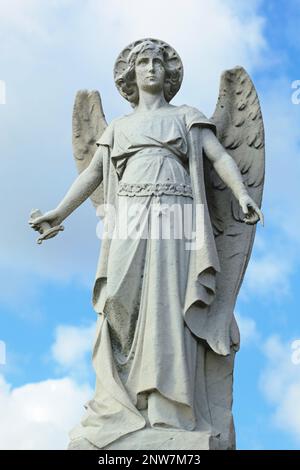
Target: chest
154, 128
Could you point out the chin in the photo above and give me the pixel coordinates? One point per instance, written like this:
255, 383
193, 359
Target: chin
153, 87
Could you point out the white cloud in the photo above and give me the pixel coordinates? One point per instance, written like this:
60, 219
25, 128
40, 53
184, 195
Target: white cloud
81, 40
248, 329
281, 118
268, 275
72, 348
71, 344
221, 34
210, 36
40, 415
280, 383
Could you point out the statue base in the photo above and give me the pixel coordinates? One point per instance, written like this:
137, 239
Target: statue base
152, 439
219, 371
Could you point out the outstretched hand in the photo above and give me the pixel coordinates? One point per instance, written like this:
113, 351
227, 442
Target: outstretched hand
53, 218
251, 210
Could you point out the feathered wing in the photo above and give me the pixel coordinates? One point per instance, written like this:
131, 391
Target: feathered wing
240, 130
88, 125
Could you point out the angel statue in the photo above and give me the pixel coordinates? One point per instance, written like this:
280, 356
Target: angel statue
166, 335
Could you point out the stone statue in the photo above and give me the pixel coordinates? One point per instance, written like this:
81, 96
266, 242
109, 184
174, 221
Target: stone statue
166, 335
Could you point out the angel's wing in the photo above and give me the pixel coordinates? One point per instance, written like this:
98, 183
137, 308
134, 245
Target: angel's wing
240, 130
88, 125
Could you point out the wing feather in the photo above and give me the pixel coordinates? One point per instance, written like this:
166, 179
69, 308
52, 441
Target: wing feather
88, 125
240, 130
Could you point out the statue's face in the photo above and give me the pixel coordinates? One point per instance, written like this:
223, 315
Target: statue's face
150, 71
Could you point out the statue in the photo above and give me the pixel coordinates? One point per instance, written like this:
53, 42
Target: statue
166, 335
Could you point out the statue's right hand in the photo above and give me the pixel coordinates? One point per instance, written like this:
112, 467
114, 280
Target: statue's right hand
53, 218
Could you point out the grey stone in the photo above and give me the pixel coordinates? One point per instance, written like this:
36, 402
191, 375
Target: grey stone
166, 335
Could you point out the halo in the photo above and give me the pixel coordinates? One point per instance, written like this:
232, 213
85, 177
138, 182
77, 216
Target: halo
174, 62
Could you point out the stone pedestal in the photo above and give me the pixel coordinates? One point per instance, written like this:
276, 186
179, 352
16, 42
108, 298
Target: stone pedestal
152, 439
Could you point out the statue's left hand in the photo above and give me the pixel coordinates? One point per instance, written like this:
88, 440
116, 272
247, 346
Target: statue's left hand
251, 210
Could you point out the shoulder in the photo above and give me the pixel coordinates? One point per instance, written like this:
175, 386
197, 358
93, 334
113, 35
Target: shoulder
192, 112
107, 138
112, 125
193, 116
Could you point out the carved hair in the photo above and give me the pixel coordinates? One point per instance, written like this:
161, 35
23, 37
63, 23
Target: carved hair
127, 80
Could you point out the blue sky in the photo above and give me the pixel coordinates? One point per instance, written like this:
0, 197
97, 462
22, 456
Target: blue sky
49, 50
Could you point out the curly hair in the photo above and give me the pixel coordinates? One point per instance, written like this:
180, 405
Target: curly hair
127, 80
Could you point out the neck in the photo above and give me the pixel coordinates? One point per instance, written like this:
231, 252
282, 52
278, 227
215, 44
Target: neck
149, 101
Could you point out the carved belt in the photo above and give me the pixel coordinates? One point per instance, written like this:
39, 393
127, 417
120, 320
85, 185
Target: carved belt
156, 189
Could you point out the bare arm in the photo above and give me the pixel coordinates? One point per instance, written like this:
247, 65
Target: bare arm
229, 172
84, 185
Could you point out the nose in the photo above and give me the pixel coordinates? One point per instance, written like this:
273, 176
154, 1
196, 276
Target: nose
151, 65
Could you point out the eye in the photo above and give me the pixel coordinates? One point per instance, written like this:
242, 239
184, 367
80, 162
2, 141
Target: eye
142, 61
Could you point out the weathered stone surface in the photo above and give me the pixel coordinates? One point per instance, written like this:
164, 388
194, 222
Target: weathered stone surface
166, 335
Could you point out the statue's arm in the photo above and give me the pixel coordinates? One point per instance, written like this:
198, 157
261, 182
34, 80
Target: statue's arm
229, 172
84, 185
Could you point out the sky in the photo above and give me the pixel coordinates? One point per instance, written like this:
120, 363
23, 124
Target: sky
48, 51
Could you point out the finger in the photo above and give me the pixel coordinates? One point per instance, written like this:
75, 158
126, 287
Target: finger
258, 212
35, 226
261, 217
251, 219
33, 222
245, 208
38, 220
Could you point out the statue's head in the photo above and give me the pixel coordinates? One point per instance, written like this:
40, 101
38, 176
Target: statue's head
148, 64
